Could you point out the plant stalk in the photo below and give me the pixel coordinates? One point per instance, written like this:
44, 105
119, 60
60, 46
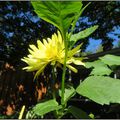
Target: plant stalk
64, 69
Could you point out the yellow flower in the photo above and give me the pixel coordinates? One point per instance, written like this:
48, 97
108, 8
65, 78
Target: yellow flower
51, 51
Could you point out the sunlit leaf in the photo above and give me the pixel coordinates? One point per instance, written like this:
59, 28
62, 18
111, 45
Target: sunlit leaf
69, 92
102, 90
99, 68
111, 60
59, 13
42, 108
91, 115
82, 34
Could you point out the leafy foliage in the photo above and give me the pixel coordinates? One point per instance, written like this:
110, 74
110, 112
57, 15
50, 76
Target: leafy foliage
69, 92
82, 34
111, 60
31, 115
42, 108
103, 90
99, 68
59, 13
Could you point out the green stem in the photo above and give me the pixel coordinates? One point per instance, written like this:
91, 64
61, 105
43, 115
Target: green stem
64, 69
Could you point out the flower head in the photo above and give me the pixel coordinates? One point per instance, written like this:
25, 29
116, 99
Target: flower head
51, 51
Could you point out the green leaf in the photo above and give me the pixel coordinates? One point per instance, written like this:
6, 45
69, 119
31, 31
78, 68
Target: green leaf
78, 113
111, 60
42, 108
102, 90
91, 115
59, 13
82, 34
99, 68
69, 92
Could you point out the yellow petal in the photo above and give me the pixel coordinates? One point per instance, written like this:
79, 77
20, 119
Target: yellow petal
54, 40
77, 61
29, 60
72, 68
34, 67
30, 51
30, 56
27, 68
40, 45
59, 37
49, 40
40, 71
33, 47
45, 42
74, 51
24, 60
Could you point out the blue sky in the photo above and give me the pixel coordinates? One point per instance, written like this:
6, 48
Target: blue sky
95, 43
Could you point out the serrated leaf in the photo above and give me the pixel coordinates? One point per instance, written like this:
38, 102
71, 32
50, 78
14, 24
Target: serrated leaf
94, 64
78, 113
111, 59
102, 90
59, 13
42, 108
69, 92
102, 70
99, 68
82, 34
